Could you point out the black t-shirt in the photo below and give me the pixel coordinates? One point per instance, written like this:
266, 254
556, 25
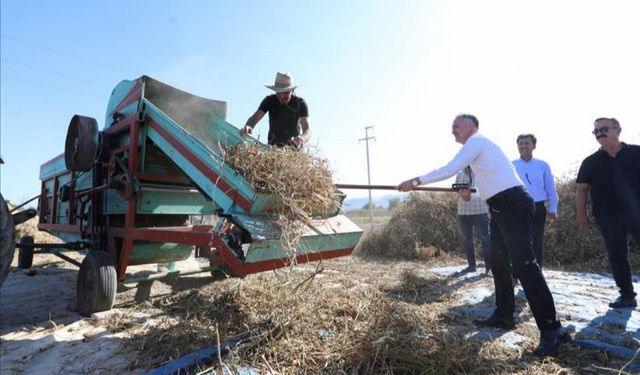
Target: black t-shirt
283, 118
615, 181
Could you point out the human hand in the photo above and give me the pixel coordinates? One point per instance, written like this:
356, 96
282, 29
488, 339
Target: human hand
246, 130
465, 194
553, 216
406, 185
297, 142
583, 221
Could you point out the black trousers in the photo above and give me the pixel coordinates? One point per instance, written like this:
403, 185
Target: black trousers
539, 219
512, 246
614, 228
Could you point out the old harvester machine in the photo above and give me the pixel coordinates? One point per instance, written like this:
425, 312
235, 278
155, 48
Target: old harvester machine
124, 196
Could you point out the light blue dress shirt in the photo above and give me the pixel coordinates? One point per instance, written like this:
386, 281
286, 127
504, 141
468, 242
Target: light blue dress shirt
538, 180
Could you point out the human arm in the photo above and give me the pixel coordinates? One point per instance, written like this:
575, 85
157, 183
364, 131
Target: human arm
465, 194
251, 122
305, 135
552, 194
581, 205
463, 158
465, 177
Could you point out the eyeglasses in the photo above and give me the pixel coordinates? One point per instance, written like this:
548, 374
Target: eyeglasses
602, 130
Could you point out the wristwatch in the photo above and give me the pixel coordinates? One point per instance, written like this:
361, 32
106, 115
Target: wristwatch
415, 182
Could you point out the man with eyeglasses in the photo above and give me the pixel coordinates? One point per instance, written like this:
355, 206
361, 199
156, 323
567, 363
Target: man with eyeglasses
538, 180
612, 176
510, 231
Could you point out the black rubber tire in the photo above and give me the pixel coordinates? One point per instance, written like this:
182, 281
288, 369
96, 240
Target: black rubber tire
7, 244
97, 283
25, 252
81, 145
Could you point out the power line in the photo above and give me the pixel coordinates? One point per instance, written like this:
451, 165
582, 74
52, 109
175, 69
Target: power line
52, 72
40, 84
66, 54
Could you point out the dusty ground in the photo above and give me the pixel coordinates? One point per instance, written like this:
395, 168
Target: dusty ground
40, 332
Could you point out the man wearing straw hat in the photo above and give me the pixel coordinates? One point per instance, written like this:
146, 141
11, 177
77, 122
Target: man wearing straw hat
288, 115
510, 230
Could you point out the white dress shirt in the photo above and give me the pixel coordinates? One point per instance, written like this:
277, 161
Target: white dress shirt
493, 170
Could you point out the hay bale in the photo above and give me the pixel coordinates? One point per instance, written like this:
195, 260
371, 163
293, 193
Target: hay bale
424, 220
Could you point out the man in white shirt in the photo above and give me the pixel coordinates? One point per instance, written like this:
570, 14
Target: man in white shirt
473, 213
538, 180
511, 218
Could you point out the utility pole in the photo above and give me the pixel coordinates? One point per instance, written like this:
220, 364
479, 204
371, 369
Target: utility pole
366, 139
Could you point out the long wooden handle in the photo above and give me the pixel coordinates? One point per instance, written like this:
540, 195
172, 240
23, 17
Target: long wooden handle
392, 187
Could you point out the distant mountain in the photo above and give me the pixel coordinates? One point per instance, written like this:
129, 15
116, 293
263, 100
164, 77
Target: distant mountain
357, 203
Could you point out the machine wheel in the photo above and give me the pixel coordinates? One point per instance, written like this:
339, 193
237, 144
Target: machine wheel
25, 252
81, 146
97, 283
7, 244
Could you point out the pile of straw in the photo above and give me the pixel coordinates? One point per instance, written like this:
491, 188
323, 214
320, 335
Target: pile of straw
352, 319
423, 221
302, 182
430, 220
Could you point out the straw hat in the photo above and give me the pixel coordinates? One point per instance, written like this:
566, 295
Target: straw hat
283, 83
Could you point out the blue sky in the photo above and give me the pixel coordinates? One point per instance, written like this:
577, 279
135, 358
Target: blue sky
404, 67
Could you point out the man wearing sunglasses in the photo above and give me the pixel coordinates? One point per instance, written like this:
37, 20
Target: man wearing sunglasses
612, 176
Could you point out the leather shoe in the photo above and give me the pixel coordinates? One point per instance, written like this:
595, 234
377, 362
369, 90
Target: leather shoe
550, 342
624, 302
495, 321
468, 269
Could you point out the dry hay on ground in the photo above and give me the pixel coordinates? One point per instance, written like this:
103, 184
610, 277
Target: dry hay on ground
353, 318
30, 228
423, 222
428, 220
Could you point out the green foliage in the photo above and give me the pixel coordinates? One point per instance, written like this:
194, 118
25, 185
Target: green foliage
394, 203
373, 206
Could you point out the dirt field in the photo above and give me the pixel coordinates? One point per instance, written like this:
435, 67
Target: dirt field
40, 332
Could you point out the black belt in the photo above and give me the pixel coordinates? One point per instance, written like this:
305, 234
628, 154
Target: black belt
503, 194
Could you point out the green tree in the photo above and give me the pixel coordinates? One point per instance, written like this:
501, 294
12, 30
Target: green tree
373, 206
393, 203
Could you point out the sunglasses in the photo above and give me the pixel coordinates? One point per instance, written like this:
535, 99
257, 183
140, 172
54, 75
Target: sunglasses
602, 130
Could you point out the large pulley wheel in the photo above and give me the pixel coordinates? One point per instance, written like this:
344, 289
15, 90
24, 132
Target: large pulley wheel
25, 253
97, 283
7, 244
81, 146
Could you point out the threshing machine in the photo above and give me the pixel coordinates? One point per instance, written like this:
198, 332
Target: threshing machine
125, 195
